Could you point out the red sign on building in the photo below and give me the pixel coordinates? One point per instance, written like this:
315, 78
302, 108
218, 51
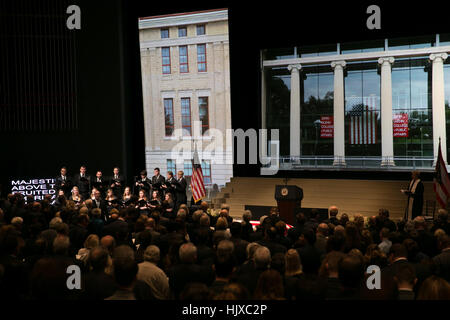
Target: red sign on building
326, 126
400, 125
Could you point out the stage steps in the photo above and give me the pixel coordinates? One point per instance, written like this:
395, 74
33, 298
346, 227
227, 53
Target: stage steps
350, 196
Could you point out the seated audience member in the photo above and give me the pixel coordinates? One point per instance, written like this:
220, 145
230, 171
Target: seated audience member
330, 270
385, 244
405, 278
233, 291
195, 291
351, 274
442, 260
97, 284
224, 265
434, 288
150, 273
269, 286
188, 270
247, 228
261, 262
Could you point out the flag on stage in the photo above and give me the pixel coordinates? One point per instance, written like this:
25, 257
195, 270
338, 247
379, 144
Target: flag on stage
197, 185
441, 180
363, 125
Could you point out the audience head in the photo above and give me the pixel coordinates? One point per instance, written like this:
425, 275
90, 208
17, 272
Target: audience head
293, 265
434, 288
188, 253
262, 258
125, 266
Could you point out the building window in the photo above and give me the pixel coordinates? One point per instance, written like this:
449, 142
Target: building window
184, 66
165, 52
201, 29
168, 116
206, 170
182, 32
187, 168
171, 166
362, 113
204, 113
164, 33
201, 57
316, 117
186, 115
412, 111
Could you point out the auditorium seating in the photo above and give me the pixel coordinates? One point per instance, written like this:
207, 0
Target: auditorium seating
351, 196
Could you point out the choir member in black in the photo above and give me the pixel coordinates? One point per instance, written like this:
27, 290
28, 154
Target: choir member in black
99, 183
168, 207
180, 190
155, 201
126, 197
111, 200
157, 181
63, 182
117, 182
143, 183
76, 196
169, 185
83, 181
143, 204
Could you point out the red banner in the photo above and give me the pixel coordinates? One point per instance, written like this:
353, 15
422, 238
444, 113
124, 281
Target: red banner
326, 126
400, 125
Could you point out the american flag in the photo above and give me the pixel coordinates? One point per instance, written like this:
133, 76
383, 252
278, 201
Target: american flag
197, 185
363, 123
441, 180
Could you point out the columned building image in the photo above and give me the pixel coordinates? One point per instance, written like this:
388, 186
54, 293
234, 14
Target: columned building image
380, 104
186, 91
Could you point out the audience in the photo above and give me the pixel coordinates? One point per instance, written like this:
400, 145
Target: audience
195, 254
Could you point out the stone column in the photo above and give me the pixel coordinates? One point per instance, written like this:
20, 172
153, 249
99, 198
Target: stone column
295, 110
438, 104
339, 113
387, 143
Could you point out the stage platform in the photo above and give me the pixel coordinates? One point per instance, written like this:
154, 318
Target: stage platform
349, 195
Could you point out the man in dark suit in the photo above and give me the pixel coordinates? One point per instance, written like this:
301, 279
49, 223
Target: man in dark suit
157, 181
99, 183
83, 181
170, 184
442, 260
63, 182
117, 183
143, 183
415, 196
398, 259
98, 202
405, 279
180, 189
188, 270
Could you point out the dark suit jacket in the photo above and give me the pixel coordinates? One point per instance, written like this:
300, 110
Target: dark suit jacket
118, 190
67, 187
101, 185
442, 263
182, 274
157, 182
180, 191
146, 186
83, 184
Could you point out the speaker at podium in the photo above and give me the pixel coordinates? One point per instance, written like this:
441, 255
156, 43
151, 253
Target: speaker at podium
289, 199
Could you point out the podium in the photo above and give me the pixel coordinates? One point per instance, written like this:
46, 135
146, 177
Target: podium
289, 198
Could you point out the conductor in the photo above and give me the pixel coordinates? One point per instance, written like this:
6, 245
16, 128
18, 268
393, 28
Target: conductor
414, 205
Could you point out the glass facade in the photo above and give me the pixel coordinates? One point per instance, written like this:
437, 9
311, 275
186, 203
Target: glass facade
203, 113
278, 94
316, 109
412, 118
362, 111
411, 97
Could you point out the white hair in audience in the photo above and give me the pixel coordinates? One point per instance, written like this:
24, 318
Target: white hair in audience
152, 254
262, 257
188, 253
247, 216
251, 248
17, 221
